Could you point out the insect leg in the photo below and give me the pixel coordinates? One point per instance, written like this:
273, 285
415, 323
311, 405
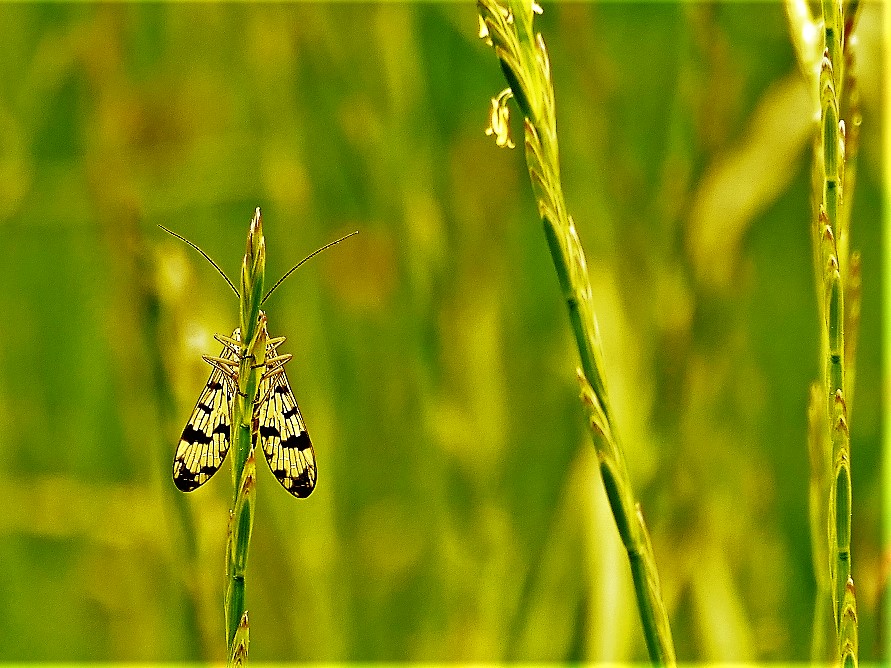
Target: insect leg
227, 367
233, 344
273, 364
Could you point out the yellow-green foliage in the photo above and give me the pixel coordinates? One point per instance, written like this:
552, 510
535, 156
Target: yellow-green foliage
454, 516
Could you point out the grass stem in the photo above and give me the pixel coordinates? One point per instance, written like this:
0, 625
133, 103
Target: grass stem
524, 61
838, 288
252, 359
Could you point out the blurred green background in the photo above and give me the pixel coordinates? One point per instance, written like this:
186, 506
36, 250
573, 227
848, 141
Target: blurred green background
458, 514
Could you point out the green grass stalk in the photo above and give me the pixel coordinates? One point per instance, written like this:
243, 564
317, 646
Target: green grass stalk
252, 360
524, 61
837, 273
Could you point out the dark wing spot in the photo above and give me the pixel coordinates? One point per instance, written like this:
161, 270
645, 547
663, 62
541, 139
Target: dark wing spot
303, 485
204, 407
221, 428
289, 414
213, 385
193, 436
184, 479
298, 441
266, 432
281, 389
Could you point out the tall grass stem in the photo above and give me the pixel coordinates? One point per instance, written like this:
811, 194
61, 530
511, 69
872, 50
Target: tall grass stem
508, 28
252, 359
829, 66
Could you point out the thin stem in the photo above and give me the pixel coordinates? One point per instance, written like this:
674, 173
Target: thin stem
831, 77
252, 358
524, 62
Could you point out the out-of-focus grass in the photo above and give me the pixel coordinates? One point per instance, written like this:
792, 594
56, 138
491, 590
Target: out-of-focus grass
431, 353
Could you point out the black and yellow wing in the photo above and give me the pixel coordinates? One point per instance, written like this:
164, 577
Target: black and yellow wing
282, 433
205, 440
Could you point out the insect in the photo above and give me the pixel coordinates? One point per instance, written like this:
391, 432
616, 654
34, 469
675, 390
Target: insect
276, 421
279, 426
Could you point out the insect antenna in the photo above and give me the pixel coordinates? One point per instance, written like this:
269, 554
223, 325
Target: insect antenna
296, 266
206, 257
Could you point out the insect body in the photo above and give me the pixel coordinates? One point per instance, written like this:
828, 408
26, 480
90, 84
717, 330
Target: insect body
247, 401
279, 426
275, 418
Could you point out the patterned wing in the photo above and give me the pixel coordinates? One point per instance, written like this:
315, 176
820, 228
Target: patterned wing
283, 435
205, 440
